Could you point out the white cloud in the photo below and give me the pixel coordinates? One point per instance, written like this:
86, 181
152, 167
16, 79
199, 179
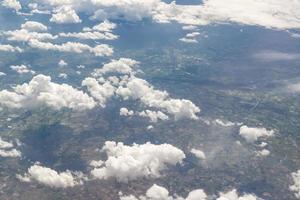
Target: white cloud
154, 116
157, 192
6, 149
253, 134
132, 162
296, 185
2, 74
5, 145
280, 14
92, 35
52, 178
25, 35
233, 195
62, 63
224, 123
74, 47
63, 75
273, 56
41, 91
198, 153
34, 26
22, 69
10, 48
263, 153
188, 40
13, 4
65, 15
126, 112
117, 78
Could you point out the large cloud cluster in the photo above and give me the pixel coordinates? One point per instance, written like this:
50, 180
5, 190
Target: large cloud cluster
131, 162
118, 78
41, 91
12, 4
268, 13
52, 178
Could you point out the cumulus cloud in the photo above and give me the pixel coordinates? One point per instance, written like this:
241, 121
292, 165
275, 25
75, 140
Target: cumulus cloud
118, 78
233, 195
126, 112
65, 15
41, 91
62, 63
198, 153
10, 48
296, 185
253, 134
22, 69
267, 13
34, 26
13, 4
188, 40
52, 178
23, 35
7, 149
132, 162
74, 47
157, 192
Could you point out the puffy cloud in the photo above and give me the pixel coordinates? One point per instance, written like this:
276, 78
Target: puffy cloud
52, 178
62, 63
10, 48
34, 26
280, 14
41, 91
198, 153
75, 47
117, 78
263, 153
105, 26
296, 185
25, 35
22, 69
132, 162
64, 15
6, 149
157, 192
233, 195
253, 134
13, 4
63, 75
126, 112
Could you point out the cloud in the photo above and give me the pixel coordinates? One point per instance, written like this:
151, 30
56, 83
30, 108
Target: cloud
34, 26
62, 63
157, 192
13, 4
65, 15
41, 91
279, 14
74, 47
253, 134
126, 112
273, 56
233, 195
198, 153
22, 69
24, 35
188, 40
137, 161
296, 185
52, 178
10, 48
117, 78
7, 150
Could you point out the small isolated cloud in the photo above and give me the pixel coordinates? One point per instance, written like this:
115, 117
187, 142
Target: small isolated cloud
74, 47
137, 161
188, 40
41, 91
253, 134
52, 178
273, 56
34, 26
126, 112
62, 63
157, 192
22, 69
198, 153
10, 48
296, 183
7, 149
12, 4
65, 15
63, 75
154, 116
